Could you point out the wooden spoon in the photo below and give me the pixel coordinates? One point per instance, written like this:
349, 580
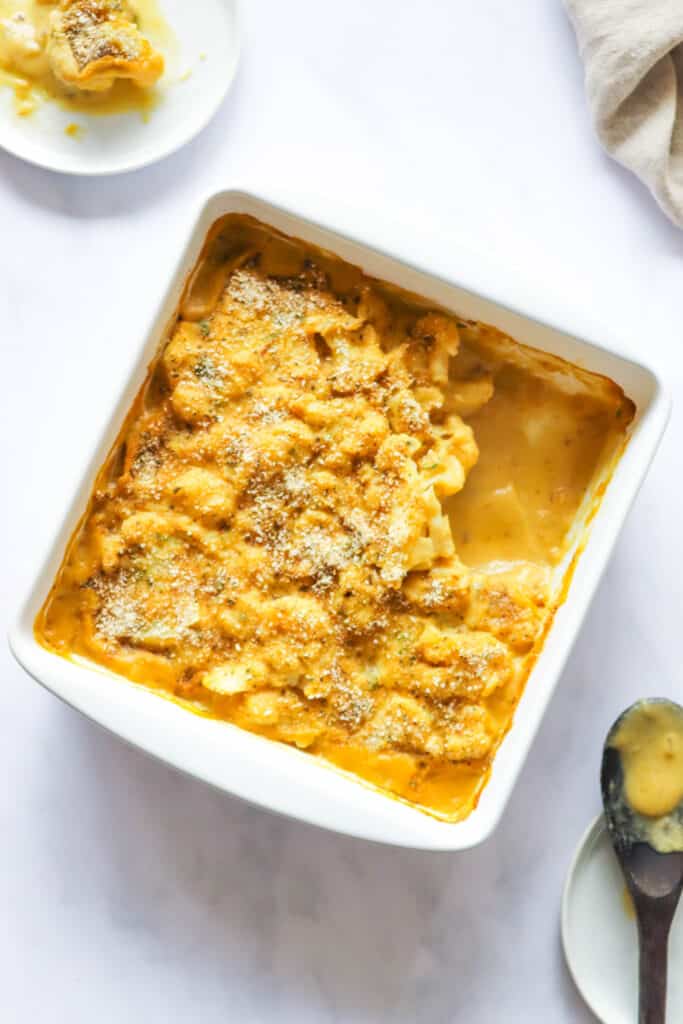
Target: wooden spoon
654, 879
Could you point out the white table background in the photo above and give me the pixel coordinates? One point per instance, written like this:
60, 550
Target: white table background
129, 893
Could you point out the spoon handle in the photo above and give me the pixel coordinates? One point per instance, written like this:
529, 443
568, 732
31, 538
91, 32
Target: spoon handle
654, 940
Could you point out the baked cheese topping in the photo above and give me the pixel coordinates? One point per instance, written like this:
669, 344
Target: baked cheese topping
90, 55
94, 42
278, 538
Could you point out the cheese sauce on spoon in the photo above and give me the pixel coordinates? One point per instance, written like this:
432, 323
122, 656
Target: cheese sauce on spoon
649, 738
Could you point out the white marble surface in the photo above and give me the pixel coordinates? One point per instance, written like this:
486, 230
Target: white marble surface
129, 893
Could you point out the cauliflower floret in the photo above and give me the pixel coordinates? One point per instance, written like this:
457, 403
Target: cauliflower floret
111, 547
401, 722
458, 438
357, 359
441, 589
298, 722
183, 351
363, 437
93, 44
466, 397
395, 456
20, 45
241, 620
316, 411
468, 738
356, 599
281, 443
234, 677
144, 527
512, 612
192, 401
443, 469
262, 708
439, 328
372, 307
442, 335
299, 616
407, 415
202, 493
463, 663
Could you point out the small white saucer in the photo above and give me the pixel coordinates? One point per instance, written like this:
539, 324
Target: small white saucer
197, 79
600, 937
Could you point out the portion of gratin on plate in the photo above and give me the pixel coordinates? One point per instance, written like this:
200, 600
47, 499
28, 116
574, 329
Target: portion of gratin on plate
87, 54
335, 516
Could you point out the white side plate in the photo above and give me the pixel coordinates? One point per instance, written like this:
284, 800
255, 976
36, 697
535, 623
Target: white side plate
600, 937
192, 89
279, 777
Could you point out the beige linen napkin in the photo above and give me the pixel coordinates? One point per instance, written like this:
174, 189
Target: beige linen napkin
633, 53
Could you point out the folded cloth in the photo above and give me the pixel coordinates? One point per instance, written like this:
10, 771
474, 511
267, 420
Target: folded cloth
633, 56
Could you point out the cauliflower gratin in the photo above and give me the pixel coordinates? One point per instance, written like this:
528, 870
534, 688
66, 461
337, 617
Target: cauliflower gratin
89, 54
332, 518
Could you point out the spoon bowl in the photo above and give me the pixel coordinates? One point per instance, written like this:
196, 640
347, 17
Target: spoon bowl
642, 748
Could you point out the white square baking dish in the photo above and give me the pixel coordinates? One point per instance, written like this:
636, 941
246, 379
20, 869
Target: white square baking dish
279, 777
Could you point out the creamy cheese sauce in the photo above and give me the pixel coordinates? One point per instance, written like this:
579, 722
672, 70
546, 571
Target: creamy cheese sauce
533, 470
25, 67
650, 742
332, 518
